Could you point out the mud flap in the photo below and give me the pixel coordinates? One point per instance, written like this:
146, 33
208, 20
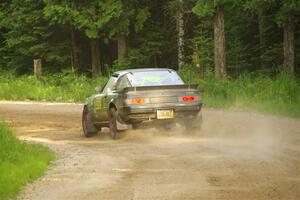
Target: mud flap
123, 126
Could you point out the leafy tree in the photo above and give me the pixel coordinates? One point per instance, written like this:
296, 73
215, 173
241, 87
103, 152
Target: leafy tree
105, 35
93, 18
215, 9
260, 9
61, 14
287, 16
149, 37
132, 15
28, 35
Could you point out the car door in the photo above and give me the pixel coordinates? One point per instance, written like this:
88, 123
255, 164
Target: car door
102, 100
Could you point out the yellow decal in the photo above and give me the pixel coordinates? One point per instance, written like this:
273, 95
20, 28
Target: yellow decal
98, 104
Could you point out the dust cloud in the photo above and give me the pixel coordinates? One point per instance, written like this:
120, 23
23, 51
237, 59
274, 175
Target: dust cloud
256, 132
233, 133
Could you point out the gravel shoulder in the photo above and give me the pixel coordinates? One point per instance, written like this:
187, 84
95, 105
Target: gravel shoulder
236, 155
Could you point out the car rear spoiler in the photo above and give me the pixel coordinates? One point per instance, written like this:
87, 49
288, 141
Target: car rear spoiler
161, 87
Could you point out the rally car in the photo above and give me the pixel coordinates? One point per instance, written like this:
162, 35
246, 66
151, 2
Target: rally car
134, 96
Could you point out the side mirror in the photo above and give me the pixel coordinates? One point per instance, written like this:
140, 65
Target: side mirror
99, 89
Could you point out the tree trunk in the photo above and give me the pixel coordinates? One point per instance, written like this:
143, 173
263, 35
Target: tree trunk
121, 46
95, 52
180, 22
288, 48
74, 55
262, 37
37, 65
219, 43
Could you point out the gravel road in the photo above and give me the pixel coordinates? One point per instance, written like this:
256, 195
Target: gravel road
236, 155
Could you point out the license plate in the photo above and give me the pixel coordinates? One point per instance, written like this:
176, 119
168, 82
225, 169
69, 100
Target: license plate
165, 114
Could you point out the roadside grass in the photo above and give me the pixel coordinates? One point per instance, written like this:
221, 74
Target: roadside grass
55, 87
20, 163
278, 95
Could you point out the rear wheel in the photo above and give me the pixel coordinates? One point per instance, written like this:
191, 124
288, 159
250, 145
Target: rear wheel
135, 126
88, 128
113, 117
193, 123
168, 126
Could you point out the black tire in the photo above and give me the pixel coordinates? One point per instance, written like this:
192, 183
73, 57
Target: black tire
113, 117
88, 128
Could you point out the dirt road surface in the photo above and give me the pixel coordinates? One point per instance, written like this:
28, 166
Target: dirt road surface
236, 155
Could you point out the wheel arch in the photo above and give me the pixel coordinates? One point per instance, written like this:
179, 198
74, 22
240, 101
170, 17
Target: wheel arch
85, 106
112, 105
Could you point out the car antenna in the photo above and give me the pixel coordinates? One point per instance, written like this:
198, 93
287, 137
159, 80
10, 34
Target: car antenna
190, 77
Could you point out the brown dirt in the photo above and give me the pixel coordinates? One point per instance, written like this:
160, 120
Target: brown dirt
236, 155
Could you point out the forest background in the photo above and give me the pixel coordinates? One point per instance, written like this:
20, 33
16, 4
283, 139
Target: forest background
243, 53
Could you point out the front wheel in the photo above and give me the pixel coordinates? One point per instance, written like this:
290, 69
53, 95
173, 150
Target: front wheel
88, 128
113, 130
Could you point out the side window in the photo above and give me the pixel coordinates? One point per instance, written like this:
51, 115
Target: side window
110, 85
123, 83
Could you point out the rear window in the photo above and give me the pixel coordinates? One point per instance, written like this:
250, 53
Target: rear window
154, 78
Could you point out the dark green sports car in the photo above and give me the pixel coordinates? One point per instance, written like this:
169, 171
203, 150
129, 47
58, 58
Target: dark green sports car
133, 96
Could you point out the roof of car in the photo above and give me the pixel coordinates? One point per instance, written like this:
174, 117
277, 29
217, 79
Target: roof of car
122, 72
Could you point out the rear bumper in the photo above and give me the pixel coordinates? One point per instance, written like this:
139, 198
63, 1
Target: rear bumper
148, 112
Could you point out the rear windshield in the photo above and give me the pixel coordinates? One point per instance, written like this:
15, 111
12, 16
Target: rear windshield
154, 78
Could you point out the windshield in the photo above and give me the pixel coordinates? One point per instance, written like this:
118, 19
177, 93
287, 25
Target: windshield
110, 85
154, 78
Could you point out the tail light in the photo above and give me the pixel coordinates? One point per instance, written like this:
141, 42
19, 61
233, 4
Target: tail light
137, 100
189, 98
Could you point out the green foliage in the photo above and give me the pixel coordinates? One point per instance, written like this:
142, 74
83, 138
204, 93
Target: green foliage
203, 45
147, 46
60, 32
288, 12
253, 42
141, 17
20, 163
57, 87
90, 17
279, 95
258, 5
28, 35
205, 8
